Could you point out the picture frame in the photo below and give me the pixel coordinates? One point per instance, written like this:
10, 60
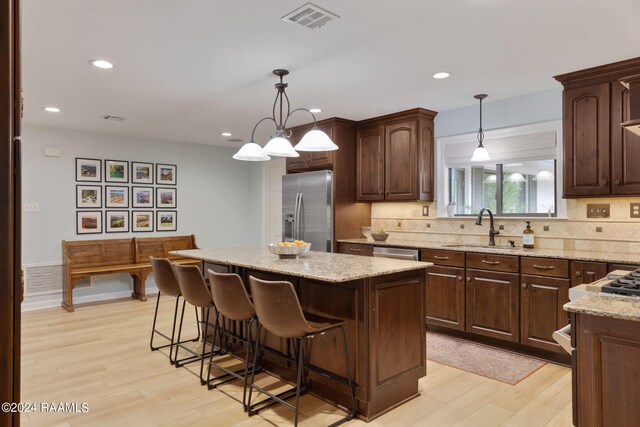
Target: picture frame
166, 220
116, 222
88, 222
142, 173
142, 221
116, 196
116, 171
142, 197
166, 174
166, 197
88, 170
88, 196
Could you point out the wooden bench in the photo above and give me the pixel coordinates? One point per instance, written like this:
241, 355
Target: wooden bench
86, 258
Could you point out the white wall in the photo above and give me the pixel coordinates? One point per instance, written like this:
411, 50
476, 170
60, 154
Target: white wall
219, 199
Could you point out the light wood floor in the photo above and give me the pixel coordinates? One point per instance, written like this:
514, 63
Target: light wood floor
100, 355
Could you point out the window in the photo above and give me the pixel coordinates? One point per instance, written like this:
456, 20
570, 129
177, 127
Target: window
519, 180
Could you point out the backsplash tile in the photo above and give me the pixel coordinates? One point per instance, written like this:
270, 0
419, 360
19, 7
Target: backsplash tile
619, 232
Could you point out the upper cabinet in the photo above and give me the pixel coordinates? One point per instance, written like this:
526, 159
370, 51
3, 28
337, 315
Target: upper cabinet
314, 160
599, 154
395, 157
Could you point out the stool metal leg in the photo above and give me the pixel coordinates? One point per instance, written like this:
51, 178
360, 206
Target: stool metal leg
299, 379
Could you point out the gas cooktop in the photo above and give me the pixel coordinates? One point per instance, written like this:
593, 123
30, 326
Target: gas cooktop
628, 285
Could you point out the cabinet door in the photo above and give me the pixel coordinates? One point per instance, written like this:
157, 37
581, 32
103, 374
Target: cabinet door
587, 272
401, 161
426, 161
625, 145
322, 159
586, 141
445, 297
493, 304
542, 313
370, 164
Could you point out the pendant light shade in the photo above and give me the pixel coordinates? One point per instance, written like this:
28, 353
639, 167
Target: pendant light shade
480, 154
516, 177
544, 175
280, 147
315, 140
251, 152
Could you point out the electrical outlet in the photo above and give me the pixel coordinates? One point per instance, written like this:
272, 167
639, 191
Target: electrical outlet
634, 210
462, 226
598, 210
31, 207
501, 227
545, 228
598, 229
425, 211
399, 224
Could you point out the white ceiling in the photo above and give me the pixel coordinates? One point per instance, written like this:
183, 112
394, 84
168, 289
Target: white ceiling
186, 70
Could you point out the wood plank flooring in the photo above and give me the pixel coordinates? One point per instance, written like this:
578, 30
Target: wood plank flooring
100, 355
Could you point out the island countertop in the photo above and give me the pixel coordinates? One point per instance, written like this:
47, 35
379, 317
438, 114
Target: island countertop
322, 266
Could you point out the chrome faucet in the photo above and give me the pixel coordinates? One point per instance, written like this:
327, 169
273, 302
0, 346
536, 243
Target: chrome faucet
492, 231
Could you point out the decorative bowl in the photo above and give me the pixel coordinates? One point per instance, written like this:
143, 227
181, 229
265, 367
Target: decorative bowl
381, 237
366, 232
289, 252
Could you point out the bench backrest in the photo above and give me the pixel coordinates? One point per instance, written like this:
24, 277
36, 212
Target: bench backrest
159, 247
90, 253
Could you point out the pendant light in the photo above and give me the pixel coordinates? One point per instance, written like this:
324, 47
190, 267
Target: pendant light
480, 154
279, 145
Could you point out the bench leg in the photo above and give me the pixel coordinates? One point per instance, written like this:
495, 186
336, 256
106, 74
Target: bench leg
138, 285
67, 295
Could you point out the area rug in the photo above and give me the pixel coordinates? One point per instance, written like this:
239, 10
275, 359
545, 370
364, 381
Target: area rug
499, 365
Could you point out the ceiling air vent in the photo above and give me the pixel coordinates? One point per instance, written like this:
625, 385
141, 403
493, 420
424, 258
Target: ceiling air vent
114, 118
310, 16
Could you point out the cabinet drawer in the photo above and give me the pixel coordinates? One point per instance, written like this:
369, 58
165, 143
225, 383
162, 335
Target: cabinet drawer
507, 263
545, 267
355, 249
448, 258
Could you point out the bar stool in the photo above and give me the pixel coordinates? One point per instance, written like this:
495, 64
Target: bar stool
167, 285
232, 302
280, 313
196, 292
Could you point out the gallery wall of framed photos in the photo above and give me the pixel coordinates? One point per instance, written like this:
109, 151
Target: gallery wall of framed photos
121, 196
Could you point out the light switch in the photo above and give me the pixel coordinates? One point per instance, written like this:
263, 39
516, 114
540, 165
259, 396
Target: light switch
425, 211
31, 207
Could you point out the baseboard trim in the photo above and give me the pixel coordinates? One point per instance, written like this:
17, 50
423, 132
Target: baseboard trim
57, 299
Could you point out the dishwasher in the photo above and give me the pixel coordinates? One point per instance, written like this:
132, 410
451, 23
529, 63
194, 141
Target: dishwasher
396, 253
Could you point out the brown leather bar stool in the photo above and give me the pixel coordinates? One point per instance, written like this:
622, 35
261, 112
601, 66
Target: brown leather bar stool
280, 313
233, 303
167, 285
196, 292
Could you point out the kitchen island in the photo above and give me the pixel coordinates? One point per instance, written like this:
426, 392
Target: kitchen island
380, 299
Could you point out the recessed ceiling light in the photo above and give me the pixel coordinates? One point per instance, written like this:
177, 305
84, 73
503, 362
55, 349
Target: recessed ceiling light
441, 75
52, 109
226, 134
101, 63
315, 110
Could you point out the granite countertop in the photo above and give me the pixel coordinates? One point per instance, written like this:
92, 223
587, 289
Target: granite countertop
326, 267
625, 308
505, 250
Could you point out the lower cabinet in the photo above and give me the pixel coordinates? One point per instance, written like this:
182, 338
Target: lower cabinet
587, 272
355, 249
445, 297
542, 299
493, 304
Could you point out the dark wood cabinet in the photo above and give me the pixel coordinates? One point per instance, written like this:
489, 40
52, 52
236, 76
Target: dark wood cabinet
605, 371
355, 249
311, 160
542, 314
599, 154
493, 304
445, 297
370, 163
395, 157
587, 272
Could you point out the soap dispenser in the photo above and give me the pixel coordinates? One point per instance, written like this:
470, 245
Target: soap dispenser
528, 237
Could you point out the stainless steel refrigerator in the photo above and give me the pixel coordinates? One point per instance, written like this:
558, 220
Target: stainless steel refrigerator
307, 208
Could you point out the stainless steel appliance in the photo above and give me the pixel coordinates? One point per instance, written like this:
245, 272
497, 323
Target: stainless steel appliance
408, 254
307, 209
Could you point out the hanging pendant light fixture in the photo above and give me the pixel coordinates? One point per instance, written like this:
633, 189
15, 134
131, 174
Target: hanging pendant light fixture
279, 145
480, 154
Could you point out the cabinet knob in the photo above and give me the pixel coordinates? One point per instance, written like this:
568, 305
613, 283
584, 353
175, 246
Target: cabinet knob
605, 182
617, 181
468, 279
460, 278
578, 273
524, 286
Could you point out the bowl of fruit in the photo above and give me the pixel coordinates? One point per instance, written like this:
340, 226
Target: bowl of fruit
290, 250
379, 235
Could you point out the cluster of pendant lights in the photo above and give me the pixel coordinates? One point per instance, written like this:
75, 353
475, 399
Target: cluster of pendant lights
279, 145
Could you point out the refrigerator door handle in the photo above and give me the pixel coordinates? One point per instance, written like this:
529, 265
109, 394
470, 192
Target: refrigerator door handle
296, 213
300, 219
